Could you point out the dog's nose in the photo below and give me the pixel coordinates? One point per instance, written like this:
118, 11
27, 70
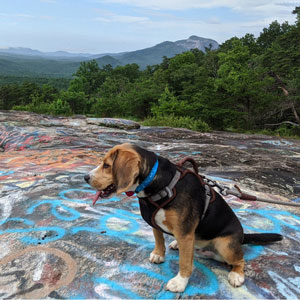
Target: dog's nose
87, 178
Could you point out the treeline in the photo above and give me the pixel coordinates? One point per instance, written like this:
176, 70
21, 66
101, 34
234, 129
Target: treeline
248, 83
59, 83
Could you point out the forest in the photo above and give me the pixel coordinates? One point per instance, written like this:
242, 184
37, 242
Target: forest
247, 84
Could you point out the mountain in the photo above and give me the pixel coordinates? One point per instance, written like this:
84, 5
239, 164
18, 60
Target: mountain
197, 42
154, 55
34, 63
108, 60
30, 52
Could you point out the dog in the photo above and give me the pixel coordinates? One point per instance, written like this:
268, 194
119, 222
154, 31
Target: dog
176, 201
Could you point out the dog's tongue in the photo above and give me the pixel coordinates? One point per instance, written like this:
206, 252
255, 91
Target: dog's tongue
96, 197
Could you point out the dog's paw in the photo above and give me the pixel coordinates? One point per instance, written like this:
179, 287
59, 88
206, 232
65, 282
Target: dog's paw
155, 258
173, 245
177, 284
235, 279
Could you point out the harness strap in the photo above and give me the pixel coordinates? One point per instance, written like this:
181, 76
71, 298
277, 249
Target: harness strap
208, 199
168, 190
158, 207
189, 159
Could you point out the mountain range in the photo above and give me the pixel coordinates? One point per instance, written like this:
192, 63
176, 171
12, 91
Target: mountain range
34, 63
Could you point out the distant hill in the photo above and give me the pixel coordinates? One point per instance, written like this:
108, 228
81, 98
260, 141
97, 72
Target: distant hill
35, 66
108, 60
28, 62
154, 55
30, 52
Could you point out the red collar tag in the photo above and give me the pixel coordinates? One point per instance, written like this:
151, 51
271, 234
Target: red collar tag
129, 194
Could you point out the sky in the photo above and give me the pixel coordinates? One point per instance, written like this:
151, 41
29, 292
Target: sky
112, 26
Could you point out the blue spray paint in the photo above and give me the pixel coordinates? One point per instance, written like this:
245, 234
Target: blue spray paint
277, 221
6, 173
72, 214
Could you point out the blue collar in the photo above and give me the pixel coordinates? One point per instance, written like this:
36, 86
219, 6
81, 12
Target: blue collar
148, 179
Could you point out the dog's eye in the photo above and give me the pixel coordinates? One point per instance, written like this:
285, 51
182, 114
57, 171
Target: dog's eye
105, 166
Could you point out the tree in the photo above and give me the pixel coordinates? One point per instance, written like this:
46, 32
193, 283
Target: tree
296, 12
168, 104
10, 96
250, 41
60, 107
77, 101
129, 71
270, 34
88, 78
282, 60
27, 89
138, 98
243, 84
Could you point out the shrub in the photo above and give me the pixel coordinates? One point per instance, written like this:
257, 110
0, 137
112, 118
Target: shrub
39, 108
168, 104
104, 108
60, 107
288, 131
178, 122
77, 101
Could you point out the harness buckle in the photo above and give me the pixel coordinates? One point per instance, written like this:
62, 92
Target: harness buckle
169, 191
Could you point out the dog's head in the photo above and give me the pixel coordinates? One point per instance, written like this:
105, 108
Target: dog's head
117, 172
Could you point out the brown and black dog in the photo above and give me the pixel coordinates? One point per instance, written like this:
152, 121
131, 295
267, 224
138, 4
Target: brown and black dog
192, 220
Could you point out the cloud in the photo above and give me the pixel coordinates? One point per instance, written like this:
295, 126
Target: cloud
164, 4
213, 21
48, 1
16, 19
171, 16
289, 4
48, 18
192, 4
24, 16
258, 9
109, 16
120, 19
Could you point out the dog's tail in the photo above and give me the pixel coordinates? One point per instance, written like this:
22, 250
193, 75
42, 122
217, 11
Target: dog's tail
261, 238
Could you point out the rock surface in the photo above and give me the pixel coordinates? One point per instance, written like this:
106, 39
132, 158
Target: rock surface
114, 123
54, 244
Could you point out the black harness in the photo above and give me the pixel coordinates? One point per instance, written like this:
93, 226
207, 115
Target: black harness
150, 205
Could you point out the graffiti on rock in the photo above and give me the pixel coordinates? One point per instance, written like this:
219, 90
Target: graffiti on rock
53, 243
124, 225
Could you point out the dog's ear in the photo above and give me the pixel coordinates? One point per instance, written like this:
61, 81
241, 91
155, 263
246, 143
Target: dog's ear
126, 168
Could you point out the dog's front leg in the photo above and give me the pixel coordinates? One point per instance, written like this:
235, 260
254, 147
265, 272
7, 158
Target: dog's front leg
186, 257
158, 254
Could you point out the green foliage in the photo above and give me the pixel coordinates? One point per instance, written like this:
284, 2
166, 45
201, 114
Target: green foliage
57, 83
88, 78
247, 83
103, 107
177, 122
61, 107
287, 131
168, 104
77, 101
282, 131
35, 106
271, 34
37, 67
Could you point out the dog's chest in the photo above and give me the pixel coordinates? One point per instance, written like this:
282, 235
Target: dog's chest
153, 216
160, 217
